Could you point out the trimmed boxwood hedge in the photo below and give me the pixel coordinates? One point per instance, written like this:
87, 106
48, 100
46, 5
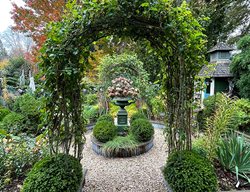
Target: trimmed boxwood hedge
106, 117
54, 174
104, 131
142, 130
137, 115
187, 171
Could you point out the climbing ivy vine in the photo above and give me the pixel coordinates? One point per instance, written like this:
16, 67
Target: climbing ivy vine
171, 31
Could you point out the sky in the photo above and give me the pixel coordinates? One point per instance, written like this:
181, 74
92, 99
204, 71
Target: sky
5, 17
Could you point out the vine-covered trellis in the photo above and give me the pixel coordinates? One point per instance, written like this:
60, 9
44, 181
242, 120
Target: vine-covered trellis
172, 31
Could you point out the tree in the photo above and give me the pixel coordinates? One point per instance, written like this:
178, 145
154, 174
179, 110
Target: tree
227, 17
33, 17
3, 52
240, 67
16, 43
13, 71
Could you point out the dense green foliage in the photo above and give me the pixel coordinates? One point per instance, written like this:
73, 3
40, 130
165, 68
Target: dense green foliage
234, 155
187, 171
106, 117
14, 123
14, 70
142, 130
225, 17
90, 113
241, 67
137, 115
18, 155
210, 105
30, 107
57, 173
241, 118
91, 99
25, 117
104, 131
3, 113
217, 124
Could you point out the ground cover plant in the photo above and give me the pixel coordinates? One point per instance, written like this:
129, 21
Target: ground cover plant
128, 143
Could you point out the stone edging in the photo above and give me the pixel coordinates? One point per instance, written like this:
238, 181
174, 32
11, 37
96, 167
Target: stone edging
84, 172
141, 148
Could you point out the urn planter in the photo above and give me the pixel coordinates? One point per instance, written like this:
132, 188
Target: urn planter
122, 115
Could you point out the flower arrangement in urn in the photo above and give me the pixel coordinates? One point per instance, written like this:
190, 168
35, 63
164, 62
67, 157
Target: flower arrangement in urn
122, 87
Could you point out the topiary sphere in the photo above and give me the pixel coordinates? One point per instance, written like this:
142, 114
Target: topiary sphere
54, 174
106, 117
137, 115
104, 131
142, 130
187, 171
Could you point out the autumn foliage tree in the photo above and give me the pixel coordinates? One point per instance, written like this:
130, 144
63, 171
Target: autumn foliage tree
33, 17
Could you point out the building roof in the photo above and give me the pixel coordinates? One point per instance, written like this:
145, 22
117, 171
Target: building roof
222, 47
221, 69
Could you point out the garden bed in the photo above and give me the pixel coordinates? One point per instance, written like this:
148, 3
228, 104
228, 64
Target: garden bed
226, 181
122, 152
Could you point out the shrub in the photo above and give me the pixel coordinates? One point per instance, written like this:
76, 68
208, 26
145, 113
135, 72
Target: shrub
106, 117
241, 119
137, 115
29, 107
234, 155
210, 105
14, 123
55, 174
142, 130
91, 99
188, 171
104, 131
90, 112
3, 113
198, 146
218, 124
18, 155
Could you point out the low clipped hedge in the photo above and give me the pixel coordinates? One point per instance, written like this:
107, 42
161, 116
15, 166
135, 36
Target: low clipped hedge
106, 117
137, 115
187, 171
54, 174
104, 131
142, 130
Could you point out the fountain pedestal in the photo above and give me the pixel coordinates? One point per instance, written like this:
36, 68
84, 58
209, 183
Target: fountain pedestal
122, 115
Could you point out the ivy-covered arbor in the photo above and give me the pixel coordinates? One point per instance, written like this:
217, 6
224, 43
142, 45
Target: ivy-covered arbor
172, 31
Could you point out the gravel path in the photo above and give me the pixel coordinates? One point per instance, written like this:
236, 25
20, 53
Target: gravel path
135, 174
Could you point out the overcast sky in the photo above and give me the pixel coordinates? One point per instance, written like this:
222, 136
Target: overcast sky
5, 17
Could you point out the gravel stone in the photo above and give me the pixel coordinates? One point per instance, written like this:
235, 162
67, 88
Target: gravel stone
134, 174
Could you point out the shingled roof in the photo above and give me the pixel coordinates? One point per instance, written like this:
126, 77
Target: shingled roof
222, 47
221, 69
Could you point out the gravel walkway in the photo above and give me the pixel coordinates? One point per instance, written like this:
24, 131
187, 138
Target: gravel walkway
136, 174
